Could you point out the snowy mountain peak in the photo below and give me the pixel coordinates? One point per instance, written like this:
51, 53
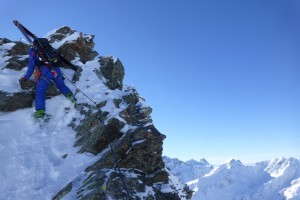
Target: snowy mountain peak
278, 167
276, 179
233, 163
200, 162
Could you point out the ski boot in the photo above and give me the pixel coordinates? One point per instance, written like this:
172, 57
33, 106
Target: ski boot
39, 114
71, 97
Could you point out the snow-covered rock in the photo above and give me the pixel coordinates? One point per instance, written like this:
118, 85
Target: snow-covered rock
73, 154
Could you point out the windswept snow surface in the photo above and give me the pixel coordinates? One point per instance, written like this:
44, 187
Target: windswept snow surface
31, 152
278, 179
38, 159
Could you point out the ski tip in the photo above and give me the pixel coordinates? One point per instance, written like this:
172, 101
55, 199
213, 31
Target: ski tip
16, 22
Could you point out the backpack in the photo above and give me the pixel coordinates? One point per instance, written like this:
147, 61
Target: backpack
46, 52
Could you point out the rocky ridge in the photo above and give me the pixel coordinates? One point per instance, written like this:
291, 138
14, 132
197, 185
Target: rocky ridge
125, 133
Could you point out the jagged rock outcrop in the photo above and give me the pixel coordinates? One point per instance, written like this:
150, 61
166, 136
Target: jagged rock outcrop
81, 47
119, 131
138, 151
113, 71
17, 54
15, 101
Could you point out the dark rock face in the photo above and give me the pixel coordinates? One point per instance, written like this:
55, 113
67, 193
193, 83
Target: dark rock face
15, 101
16, 64
27, 85
93, 136
135, 114
139, 155
127, 139
113, 72
137, 151
20, 48
82, 46
17, 52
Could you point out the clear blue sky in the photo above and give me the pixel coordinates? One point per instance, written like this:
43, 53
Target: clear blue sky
222, 77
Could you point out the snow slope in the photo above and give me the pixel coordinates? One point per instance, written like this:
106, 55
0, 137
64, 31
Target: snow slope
31, 153
277, 179
37, 159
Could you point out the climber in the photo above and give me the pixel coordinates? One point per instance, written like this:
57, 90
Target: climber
47, 74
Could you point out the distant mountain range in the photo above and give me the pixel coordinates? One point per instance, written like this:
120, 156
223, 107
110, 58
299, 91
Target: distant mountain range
278, 179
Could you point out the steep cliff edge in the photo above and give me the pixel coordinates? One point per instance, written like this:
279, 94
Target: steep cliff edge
112, 124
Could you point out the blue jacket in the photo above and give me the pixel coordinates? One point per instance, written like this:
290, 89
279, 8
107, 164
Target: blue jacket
47, 76
35, 61
32, 63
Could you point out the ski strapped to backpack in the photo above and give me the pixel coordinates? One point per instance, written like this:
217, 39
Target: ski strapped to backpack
49, 54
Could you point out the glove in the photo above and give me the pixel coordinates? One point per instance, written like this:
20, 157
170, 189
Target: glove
23, 79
